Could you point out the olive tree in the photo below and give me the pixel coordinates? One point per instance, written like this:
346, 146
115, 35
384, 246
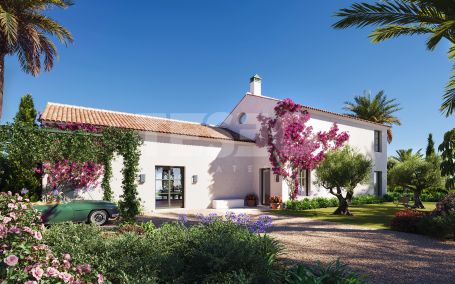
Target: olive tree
341, 171
416, 174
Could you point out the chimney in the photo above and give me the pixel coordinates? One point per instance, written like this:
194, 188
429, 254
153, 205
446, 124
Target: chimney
255, 85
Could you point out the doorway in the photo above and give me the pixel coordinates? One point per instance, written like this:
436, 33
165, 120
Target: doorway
265, 186
169, 187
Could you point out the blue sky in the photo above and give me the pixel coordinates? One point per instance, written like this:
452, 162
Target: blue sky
192, 59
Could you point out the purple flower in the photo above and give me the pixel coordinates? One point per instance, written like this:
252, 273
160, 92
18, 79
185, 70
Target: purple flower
183, 218
230, 216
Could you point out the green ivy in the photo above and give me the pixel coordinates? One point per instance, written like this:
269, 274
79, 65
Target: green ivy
24, 147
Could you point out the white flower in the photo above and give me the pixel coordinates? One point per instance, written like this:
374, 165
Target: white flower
24, 191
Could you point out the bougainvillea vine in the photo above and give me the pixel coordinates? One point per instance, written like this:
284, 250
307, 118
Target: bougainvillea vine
292, 145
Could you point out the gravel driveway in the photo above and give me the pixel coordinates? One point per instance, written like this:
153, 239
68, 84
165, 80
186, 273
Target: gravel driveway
382, 256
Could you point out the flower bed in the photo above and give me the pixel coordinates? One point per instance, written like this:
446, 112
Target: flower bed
26, 259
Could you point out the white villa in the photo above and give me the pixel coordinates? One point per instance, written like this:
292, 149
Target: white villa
190, 165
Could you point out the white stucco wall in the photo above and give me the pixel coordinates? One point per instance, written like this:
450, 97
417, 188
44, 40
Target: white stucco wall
225, 169
361, 138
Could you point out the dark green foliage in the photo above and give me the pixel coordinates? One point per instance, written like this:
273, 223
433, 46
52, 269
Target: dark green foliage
334, 272
322, 202
438, 226
215, 253
341, 171
447, 149
430, 146
416, 174
25, 146
426, 196
27, 112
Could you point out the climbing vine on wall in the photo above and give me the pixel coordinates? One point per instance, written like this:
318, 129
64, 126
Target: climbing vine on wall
78, 143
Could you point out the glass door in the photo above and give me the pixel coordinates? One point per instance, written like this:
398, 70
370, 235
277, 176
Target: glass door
265, 186
169, 187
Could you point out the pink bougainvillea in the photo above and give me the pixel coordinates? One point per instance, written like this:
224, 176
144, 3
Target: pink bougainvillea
292, 144
74, 127
71, 175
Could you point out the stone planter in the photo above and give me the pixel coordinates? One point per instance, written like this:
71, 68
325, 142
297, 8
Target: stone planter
251, 202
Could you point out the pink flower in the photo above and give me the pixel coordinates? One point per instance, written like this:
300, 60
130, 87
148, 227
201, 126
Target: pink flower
67, 256
13, 215
31, 282
27, 229
19, 198
37, 235
84, 268
52, 272
6, 220
100, 278
3, 230
12, 206
66, 264
23, 206
11, 260
37, 272
15, 230
65, 276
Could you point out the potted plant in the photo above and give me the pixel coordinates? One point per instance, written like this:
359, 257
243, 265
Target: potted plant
251, 200
275, 201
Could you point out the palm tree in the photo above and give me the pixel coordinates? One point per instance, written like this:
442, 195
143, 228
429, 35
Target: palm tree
25, 31
394, 18
380, 109
407, 154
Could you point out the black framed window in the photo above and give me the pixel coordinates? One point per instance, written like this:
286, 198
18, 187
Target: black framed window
304, 183
377, 141
169, 187
377, 183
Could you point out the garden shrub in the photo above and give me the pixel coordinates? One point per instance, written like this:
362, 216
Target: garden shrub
334, 272
366, 199
447, 204
26, 259
323, 202
217, 249
439, 226
425, 196
407, 221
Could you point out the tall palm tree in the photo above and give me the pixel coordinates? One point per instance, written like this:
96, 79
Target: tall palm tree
407, 154
25, 31
378, 109
394, 18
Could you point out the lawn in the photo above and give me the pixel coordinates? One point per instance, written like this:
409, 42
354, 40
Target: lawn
376, 216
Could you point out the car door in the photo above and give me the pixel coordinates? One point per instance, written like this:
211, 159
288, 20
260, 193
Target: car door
57, 213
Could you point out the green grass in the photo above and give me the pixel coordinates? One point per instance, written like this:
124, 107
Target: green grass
376, 216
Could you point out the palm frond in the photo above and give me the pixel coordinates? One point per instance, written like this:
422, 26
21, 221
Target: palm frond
50, 26
8, 26
448, 104
393, 31
384, 13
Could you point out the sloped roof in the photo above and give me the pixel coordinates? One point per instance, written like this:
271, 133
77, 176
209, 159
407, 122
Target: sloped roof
60, 113
327, 112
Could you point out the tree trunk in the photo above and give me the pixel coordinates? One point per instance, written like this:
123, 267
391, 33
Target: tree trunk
417, 202
2, 77
342, 203
349, 196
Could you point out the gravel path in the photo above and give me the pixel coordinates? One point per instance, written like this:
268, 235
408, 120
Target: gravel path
382, 256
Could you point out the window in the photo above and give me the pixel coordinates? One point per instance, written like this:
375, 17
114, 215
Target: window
242, 118
377, 183
169, 189
377, 141
304, 183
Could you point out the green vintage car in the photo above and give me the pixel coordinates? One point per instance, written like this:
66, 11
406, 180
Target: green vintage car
93, 211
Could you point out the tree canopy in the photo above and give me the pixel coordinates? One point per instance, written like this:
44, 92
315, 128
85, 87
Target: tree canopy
342, 170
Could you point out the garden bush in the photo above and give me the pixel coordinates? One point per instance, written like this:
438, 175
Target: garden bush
217, 248
26, 259
425, 196
323, 202
407, 221
334, 272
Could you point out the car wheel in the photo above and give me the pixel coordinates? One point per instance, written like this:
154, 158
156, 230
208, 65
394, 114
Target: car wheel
98, 217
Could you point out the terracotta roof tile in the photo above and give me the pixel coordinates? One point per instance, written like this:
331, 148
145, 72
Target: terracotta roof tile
59, 113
